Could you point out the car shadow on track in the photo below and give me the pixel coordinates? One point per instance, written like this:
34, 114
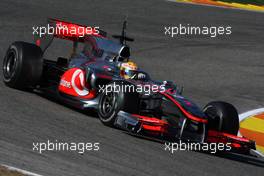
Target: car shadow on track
243, 158
248, 159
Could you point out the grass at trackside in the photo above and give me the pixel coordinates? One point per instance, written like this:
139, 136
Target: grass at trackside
253, 2
5, 172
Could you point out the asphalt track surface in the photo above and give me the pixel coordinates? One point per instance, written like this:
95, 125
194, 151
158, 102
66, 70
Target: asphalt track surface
228, 68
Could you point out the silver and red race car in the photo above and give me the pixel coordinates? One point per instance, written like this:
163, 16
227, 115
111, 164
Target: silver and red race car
101, 76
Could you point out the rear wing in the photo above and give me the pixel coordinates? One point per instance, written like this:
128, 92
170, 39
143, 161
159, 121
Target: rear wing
74, 31
65, 30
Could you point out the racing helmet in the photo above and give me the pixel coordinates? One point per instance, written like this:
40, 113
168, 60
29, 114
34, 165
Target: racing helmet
127, 69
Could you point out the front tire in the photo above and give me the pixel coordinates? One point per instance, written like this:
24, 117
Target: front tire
222, 117
110, 103
22, 65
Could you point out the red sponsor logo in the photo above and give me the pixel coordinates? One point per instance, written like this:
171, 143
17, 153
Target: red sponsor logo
73, 83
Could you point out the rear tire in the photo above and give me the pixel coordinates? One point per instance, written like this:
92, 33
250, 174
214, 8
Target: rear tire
22, 65
222, 117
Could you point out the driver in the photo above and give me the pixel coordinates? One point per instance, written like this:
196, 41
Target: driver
129, 70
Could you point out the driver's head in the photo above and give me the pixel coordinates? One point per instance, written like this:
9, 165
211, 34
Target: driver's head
127, 69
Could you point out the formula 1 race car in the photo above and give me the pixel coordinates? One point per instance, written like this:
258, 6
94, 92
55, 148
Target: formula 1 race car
101, 76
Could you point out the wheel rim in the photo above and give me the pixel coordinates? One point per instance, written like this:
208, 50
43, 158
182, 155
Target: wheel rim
108, 104
9, 65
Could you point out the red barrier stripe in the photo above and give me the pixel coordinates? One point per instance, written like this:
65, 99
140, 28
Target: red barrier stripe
253, 135
259, 116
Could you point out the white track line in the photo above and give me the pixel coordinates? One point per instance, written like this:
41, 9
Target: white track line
250, 113
20, 170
